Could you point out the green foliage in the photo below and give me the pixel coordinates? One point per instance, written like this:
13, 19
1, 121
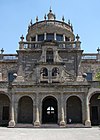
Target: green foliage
98, 76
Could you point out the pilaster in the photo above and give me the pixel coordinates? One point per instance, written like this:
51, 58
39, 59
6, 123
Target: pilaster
87, 122
62, 122
37, 121
12, 120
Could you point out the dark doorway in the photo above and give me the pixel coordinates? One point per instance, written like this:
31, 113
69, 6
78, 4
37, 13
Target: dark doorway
4, 110
49, 110
95, 109
25, 110
74, 110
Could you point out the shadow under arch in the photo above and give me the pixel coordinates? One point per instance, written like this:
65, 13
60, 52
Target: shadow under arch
74, 110
25, 110
4, 110
95, 108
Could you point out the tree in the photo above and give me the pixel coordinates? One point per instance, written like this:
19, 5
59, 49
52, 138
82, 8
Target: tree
98, 76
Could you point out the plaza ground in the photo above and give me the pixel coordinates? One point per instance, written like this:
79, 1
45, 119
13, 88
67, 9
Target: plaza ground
50, 133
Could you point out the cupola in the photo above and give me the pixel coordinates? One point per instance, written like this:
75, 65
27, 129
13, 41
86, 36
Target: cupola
50, 15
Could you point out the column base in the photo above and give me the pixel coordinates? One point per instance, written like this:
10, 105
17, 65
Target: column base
36, 124
11, 123
62, 124
88, 123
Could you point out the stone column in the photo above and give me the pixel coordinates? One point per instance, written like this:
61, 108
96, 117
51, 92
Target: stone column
36, 38
37, 122
55, 36
45, 36
12, 120
64, 40
62, 122
87, 122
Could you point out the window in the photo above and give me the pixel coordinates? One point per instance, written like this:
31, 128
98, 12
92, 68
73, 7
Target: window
49, 56
50, 37
89, 76
55, 71
33, 38
59, 37
67, 39
41, 37
50, 110
10, 76
44, 72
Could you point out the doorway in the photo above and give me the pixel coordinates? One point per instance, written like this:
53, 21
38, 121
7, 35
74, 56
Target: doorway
25, 110
95, 109
49, 110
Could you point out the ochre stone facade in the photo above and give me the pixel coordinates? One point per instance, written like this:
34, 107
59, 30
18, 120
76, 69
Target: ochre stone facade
49, 80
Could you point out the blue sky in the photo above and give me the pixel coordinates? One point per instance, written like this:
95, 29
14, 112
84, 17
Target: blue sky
15, 16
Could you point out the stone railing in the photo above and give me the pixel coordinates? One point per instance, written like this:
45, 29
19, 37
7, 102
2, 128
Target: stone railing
38, 45
89, 56
8, 57
30, 45
69, 45
94, 57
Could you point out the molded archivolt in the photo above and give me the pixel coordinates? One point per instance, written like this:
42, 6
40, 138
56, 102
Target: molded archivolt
4, 110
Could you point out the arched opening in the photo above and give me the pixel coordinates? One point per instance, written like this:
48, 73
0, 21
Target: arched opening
55, 72
4, 110
25, 110
49, 110
44, 72
95, 109
74, 110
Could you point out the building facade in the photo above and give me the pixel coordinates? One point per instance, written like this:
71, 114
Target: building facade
49, 80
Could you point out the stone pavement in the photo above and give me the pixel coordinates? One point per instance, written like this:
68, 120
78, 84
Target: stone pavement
50, 133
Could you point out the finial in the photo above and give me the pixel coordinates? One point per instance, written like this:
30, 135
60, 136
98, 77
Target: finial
37, 19
77, 37
98, 50
45, 17
2, 51
28, 26
72, 27
54, 16
31, 22
22, 38
63, 19
69, 21
50, 9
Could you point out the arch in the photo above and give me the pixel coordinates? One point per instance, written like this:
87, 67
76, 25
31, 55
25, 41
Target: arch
74, 109
25, 110
4, 110
95, 109
49, 110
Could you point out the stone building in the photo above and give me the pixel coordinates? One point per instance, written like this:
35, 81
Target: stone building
49, 80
